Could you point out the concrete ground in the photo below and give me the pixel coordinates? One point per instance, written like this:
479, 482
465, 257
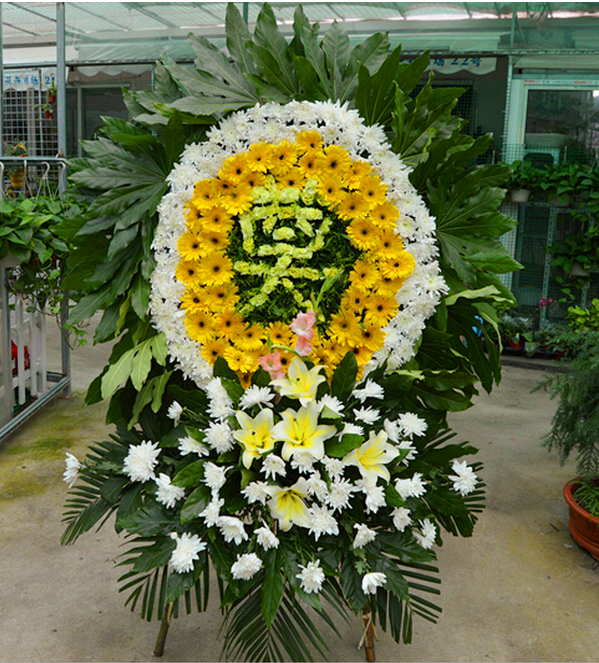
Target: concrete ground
519, 590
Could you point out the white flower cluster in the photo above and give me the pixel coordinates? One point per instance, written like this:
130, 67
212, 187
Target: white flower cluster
273, 123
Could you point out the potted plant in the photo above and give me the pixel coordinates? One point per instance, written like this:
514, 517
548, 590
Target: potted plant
49, 107
15, 170
565, 182
524, 179
512, 330
575, 430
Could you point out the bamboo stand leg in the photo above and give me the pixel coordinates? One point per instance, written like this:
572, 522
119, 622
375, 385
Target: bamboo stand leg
162, 633
369, 634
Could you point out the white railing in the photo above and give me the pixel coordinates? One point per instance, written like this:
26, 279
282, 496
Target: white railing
28, 351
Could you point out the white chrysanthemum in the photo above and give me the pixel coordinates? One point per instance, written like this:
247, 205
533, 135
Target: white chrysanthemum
406, 445
141, 461
186, 552
339, 493
317, 487
371, 581
427, 534
401, 518
273, 466
464, 479
246, 566
232, 529
367, 414
334, 467
211, 513
256, 491
168, 494
174, 412
71, 472
331, 402
266, 538
352, 429
370, 390
214, 476
311, 576
375, 495
303, 462
220, 437
411, 424
413, 487
322, 521
392, 429
255, 395
364, 535
273, 123
187, 445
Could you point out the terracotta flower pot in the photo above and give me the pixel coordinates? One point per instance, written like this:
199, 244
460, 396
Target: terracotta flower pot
583, 527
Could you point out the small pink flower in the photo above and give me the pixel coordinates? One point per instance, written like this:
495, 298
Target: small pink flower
302, 325
303, 347
272, 365
545, 302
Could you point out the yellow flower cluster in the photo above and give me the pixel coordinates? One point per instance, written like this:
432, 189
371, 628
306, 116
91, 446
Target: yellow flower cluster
306, 177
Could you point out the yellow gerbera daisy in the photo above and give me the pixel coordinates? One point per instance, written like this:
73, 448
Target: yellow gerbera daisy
280, 334
217, 219
330, 189
373, 190
362, 354
358, 170
228, 324
284, 156
214, 348
219, 298
354, 300
380, 311
308, 165
363, 234
364, 275
345, 328
200, 326
294, 178
234, 168
237, 199
373, 337
353, 206
187, 272
385, 215
193, 301
334, 160
390, 244
190, 247
259, 157
400, 266
211, 241
204, 194
388, 287
193, 217
307, 141
251, 338
252, 178
215, 269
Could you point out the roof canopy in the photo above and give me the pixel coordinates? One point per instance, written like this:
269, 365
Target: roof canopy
105, 32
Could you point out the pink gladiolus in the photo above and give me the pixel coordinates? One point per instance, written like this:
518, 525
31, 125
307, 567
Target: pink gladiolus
302, 325
272, 365
303, 347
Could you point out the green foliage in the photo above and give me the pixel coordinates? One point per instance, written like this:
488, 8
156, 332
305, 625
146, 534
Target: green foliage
575, 425
580, 319
587, 496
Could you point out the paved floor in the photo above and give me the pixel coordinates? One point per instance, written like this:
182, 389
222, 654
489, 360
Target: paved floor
519, 590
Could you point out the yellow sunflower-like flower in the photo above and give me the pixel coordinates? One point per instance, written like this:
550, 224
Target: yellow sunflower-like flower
400, 266
189, 247
234, 168
200, 326
215, 269
345, 328
229, 324
280, 334
204, 194
187, 272
358, 170
284, 157
307, 164
214, 348
364, 275
384, 216
293, 178
330, 189
217, 220
210, 241
363, 234
220, 298
353, 206
309, 141
373, 190
259, 157
334, 160
380, 311
251, 338
193, 301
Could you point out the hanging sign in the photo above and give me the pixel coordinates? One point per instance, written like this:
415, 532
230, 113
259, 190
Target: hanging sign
25, 79
456, 64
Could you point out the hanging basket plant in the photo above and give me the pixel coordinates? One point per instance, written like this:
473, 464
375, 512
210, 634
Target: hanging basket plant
291, 252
